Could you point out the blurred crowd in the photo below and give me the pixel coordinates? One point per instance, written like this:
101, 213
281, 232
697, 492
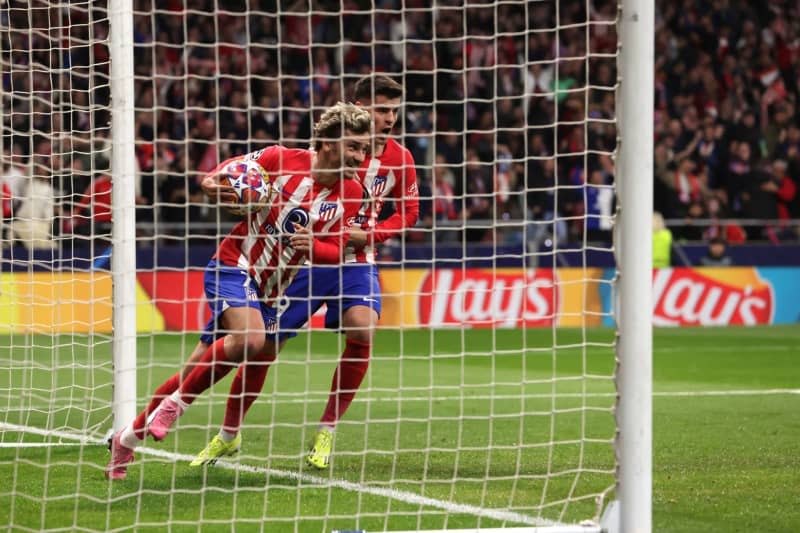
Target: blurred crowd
727, 134
509, 110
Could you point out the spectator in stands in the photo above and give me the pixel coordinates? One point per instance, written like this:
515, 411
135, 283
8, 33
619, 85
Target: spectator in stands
13, 173
599, 195
716, 256
12, 181
445, 207
786, 198
740, 178
33, 220
478, 198
91, 216
662, 242
760, 202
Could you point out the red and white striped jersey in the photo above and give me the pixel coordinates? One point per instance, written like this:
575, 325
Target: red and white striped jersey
260, 243
390, 175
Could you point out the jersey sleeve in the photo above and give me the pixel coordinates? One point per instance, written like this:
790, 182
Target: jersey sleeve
406, 197
271, 158
328, 250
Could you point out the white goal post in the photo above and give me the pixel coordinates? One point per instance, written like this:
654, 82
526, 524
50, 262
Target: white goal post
510, 381
635, 257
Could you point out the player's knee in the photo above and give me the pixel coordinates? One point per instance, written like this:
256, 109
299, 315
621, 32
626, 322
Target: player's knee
245, 345
359, 324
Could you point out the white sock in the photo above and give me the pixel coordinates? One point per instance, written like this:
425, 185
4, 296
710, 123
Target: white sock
226, 436
128, 438
331, 429
176, 397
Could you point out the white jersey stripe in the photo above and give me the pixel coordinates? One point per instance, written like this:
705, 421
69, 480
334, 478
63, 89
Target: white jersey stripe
254, 224
294, 201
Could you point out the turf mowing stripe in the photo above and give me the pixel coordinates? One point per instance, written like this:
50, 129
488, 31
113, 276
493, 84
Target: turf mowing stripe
399, 495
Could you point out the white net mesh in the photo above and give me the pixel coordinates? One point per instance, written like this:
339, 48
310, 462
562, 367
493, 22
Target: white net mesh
489, 397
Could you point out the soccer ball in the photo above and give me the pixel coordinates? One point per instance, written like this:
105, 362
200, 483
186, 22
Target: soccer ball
251, 184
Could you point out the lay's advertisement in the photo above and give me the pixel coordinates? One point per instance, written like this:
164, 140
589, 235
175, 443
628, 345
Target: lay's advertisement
173, 300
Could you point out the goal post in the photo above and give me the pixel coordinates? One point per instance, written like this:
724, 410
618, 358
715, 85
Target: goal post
634, 254
123, 169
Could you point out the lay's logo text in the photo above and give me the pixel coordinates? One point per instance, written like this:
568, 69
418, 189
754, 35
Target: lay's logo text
482, 298
711, 297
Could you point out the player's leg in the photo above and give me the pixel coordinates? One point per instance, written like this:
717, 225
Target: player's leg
245, 388
229, 292
357, 313
296, 307
245, 338
168, 387
124, 442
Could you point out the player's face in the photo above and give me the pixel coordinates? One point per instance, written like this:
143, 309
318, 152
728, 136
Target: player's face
385, 113
349, 153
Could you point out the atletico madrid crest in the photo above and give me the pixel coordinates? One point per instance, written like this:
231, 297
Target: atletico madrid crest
327, 210
379, 185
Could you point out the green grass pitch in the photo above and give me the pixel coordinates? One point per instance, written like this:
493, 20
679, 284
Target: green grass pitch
463, 424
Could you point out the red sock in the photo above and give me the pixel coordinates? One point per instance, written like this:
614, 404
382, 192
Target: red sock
252, 374
164, 390
346, 380
212, 367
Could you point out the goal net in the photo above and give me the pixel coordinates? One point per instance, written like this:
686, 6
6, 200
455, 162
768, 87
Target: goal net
491, 394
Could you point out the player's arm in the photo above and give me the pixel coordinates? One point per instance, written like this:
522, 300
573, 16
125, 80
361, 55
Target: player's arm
406, 196
216, 187
329, 249
321, 251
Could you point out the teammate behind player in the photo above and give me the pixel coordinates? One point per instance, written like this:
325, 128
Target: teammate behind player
351, 291
257, 261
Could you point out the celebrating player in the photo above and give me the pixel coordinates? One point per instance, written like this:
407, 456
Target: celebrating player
258, 259
351, 291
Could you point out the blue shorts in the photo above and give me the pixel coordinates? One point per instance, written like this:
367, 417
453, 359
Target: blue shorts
340, 287
226, 287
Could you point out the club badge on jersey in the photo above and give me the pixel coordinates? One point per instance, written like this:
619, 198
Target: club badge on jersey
327, 210
379, 185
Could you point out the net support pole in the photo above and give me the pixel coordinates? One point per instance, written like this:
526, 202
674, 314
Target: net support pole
123, 170
634, 261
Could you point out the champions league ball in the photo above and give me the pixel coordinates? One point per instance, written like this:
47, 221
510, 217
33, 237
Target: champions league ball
251, 184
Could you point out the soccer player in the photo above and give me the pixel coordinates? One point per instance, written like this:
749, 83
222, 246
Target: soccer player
351, 291
258, 259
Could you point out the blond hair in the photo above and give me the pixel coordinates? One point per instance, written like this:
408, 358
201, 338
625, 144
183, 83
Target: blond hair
338, 118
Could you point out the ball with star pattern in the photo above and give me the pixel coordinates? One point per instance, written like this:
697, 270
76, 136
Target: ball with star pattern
251, 184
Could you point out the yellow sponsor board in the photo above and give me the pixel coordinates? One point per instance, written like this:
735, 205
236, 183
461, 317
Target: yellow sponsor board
56, 302
53, 302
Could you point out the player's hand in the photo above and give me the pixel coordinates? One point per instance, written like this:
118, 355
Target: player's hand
301, 239
358, 238
215, 188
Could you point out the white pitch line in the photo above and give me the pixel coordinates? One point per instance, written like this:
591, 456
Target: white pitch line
732, 392
36, 444
399, 495
546, 396
311, 398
